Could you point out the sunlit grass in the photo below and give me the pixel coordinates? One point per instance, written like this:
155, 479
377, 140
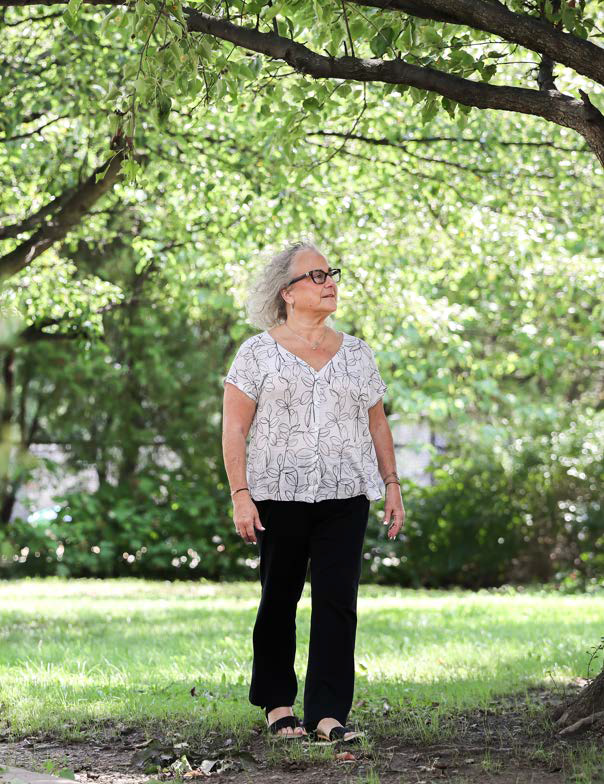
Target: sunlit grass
82, 651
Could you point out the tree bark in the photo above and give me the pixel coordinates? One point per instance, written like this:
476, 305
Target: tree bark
584, 711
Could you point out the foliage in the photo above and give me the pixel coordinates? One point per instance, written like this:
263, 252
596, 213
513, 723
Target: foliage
114, 533
466, 240
499, 511
171, 56
505, 509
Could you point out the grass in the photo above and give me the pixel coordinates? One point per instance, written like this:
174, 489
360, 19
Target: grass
77, 652
586, 766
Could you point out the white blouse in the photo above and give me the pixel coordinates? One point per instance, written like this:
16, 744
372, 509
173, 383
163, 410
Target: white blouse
309, 439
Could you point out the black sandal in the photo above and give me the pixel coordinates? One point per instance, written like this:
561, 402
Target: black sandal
285, 721
336, 735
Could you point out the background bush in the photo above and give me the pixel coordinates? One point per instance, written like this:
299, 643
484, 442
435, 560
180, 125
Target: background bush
492, 516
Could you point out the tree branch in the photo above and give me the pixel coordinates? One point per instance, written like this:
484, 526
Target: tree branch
545, 75
6, 139
458, 140
68, 216
490, 16
556, 107
14, 229
532, 32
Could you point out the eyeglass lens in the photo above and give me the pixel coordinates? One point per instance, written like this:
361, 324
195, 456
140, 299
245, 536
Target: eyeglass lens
319, 276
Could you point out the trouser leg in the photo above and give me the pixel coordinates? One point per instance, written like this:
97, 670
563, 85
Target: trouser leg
283, 549
336, 552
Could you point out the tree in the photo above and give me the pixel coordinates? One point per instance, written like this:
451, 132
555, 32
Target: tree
423, 50
419, 45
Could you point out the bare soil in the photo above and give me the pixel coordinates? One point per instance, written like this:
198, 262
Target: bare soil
511, 742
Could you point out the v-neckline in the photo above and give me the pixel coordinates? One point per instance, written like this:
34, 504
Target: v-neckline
310, 367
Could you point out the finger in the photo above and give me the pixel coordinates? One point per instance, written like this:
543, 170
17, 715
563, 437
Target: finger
258, 523
241, 531
251, 533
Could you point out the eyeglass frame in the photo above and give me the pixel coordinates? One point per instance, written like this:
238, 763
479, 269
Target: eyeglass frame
329, 272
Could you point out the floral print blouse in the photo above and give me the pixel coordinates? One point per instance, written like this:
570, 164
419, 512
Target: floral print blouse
309, 439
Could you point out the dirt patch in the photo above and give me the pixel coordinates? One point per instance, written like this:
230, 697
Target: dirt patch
511, 741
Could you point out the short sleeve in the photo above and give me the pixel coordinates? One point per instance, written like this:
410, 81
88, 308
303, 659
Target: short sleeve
243, 372
375, 383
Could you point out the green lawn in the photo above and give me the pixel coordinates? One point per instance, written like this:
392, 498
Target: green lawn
76, 652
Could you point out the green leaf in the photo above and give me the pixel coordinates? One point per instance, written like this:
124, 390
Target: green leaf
74, 6
195, 86
256, 65
164, 104
581, 31
70, 20
448, 105
70, 15
311, 104
549, 9
100, 175
416, 94
487, 71
272, 11
108, 18
462, 58
430, 110
568, 17
380, 44
255, 6
408, 36
220, 87
432, 36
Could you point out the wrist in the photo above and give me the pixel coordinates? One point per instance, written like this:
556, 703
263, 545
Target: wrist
241, 491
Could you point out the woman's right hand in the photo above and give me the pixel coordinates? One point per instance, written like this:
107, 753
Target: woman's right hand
246, 517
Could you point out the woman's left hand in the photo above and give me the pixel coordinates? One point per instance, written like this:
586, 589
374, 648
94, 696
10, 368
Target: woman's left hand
393, 508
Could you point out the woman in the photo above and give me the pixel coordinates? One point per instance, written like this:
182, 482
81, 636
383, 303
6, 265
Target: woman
311, 398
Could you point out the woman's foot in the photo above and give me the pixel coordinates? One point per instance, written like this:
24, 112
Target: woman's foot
325, 726
278, 713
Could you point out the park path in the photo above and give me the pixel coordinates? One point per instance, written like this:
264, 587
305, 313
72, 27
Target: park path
22, 776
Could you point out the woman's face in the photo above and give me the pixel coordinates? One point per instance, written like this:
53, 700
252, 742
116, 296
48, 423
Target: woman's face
307, 294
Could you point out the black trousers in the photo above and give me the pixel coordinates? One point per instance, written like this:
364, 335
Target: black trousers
331, 534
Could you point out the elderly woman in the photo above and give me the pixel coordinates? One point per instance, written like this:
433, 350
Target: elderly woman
311, 399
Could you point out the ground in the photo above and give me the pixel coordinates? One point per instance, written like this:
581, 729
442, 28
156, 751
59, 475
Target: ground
511, 742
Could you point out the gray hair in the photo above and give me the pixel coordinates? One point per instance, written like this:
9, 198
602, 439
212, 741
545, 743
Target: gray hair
264, 305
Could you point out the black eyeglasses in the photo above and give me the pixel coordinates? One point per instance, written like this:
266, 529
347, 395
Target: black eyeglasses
318, 276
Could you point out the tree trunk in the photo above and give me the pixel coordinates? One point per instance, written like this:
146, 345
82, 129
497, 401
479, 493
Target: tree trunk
584, 711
